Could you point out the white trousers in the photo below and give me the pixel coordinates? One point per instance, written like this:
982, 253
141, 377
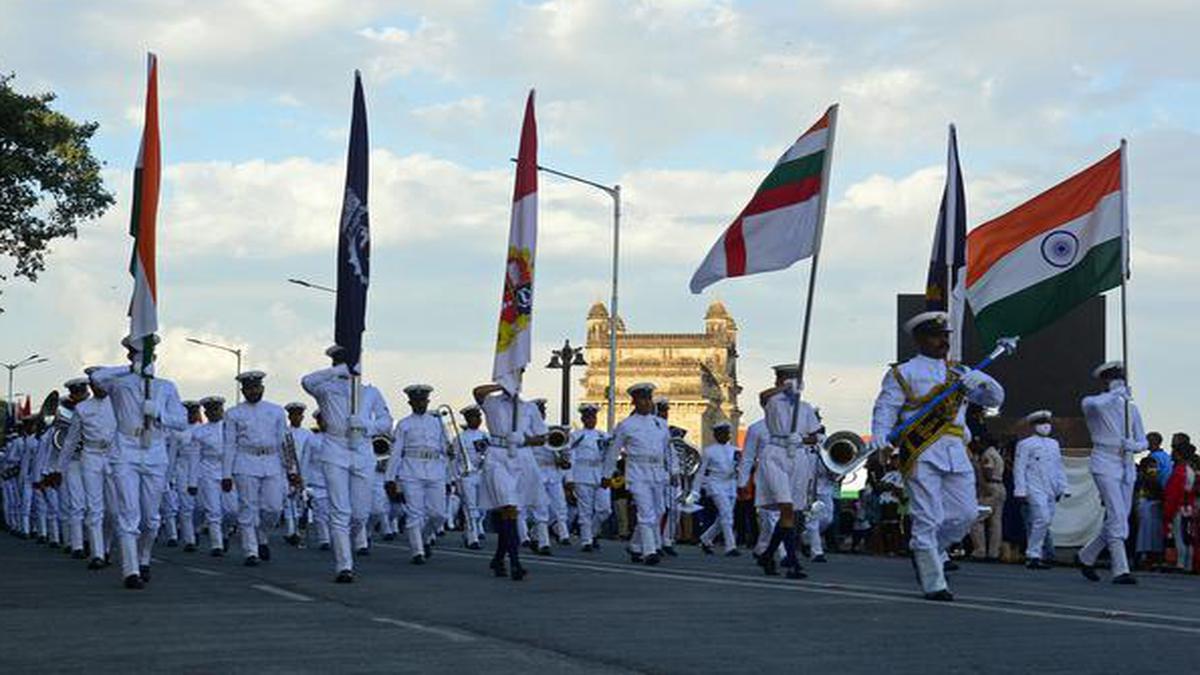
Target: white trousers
318, 514
648, 497
187, 516
139, 488
349, 489
74, 503
593, 505
211, 509
424, 511
815, 527
170, 511
472, 515
1117, 497
942, 505
723, 524
1041, 514
767, 518
260, 502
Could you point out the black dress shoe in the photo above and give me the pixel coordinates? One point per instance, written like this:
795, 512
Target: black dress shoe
78, 554
189, 548
324, 547
264, 552
587, 548
670, 550
364, 551
498, 568
172, 543
796, 573
768, 564
134, 582
418, 559
96, 564
819, 558
251, 561
217, 553
344, 577
1126, 579
950, 566
1036, 564
635, 557
474, 546
940, 596
144, 573
1088, 571
390, 536
707, 548
545, 550
518, 573
733, 553
653, 559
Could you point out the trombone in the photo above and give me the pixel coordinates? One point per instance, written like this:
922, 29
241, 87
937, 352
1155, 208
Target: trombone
458, 451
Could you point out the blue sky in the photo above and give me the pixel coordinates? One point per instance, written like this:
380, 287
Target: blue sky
684, 102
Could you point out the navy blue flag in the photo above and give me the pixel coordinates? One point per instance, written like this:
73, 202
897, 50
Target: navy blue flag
944, 288
354, 241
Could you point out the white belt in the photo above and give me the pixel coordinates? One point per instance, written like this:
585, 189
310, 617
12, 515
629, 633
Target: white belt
260, 451
648, 461
421, 453
498, 441
97, 446
550, 463
722, 476
586, 462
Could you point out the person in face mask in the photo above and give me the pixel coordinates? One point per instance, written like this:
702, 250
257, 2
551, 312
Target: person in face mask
1115, 425
1040, 482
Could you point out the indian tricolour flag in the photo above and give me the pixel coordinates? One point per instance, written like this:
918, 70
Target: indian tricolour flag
782, 222
143, 306
1028, 267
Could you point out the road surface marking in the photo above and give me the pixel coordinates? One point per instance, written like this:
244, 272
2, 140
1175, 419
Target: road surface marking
451, 635
199, 570
275, 590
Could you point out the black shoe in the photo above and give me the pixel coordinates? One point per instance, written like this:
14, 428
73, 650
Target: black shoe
595, 544
707, 548
144, 573
96, 564
428, 550
42, 539
635, 557
587, 548
172, 543
418, 559
498, 568
1088, 571
796, 573
324, 547
264, 552
217, 553
949, 566
344, 577
545, 550
390, 536
1036, 564
189, 548
78, 554
653, 559
564, 541
1126, 579
940, 596
364, 551
251, 561
819, 558
733, 553
474, 546
292, 539
768, 564
518, 573
670, 550
134, 582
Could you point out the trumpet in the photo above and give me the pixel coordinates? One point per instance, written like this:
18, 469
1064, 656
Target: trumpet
458, 451
557, 439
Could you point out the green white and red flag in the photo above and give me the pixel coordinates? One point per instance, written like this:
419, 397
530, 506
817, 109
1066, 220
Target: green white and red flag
143, 306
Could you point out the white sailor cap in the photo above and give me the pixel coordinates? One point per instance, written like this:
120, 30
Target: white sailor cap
471, 409
1103, 368
928, 322
1038, 416
661, 400
127, 342
212, 401
786, 370
585, 408
723, 424
295, 405
190, 404
251, 377
640, 388
90, 369
417, 390
75, 382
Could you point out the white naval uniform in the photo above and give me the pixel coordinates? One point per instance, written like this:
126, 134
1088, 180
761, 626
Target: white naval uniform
69, 464
785, 466
29, 451
510, 475
755, 441
253, 458
1038, 476
95, 426
1112, 469
176, 473
187, 461
825, 487
593, 502
347, 459
210, 448
419, 464
45, 498
139, 473
10, 460
475, 441
718, 477
293, 503
649, 464
941, 487
551, 509
314, 485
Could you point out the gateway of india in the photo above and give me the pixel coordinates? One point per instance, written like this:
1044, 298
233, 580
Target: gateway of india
696, 371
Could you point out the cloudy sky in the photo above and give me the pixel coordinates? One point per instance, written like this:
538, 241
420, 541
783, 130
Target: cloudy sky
685, 103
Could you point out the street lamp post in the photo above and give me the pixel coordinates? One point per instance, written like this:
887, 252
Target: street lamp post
309, 284
30, 360
237, 392
563, 359
613, 191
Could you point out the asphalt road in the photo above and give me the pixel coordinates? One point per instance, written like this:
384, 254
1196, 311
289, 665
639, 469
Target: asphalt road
578, 613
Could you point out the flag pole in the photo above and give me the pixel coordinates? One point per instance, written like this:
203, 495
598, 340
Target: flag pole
1125, 259
812, 272
949, 234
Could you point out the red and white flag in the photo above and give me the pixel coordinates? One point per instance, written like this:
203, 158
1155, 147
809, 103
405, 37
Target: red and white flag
143, 306
781, 224
514, 337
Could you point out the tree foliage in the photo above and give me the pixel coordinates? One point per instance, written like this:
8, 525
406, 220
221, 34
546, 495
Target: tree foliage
49, 180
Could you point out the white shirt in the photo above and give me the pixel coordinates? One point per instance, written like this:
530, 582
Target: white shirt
778, 410
1038, 468
126, 391
718, 468
94, 424
757, 436
587, 456
498, 410
645, 443
475, 441
1112, 451
331, 388
418, 449
254, 439
300, 440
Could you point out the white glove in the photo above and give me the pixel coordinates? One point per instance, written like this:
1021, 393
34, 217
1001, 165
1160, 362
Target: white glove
515, 439
149, 409
974, 379
356, 423
878, 444
795, 440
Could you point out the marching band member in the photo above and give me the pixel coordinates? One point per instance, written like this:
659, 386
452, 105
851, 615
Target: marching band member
293, 507
314, 479
67, 471
816, 524
45, 495
510, 479
649, 465
138, 471
1040, 480
717, 477
586, 476
187, 458
173, 507
672, 493
30, 441
210, 446
756, 440
384, 506
1115, 425
940, 479
784, 470
346, 456
474, 440
254, 457
551, 507
419, 454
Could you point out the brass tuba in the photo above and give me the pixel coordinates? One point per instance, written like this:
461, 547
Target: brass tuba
557, 439
843, 452
688, 458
